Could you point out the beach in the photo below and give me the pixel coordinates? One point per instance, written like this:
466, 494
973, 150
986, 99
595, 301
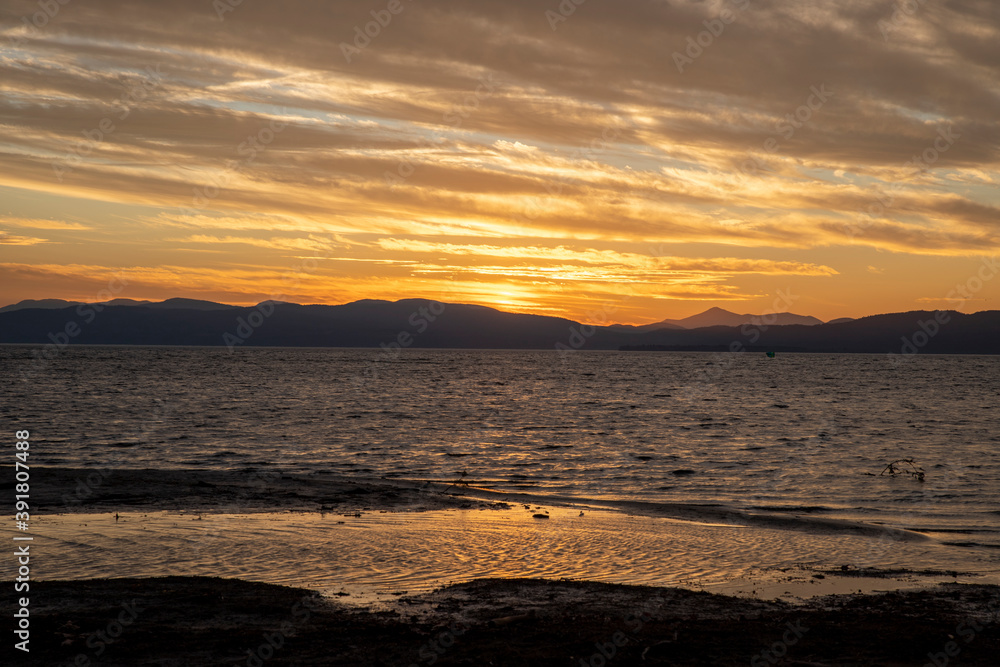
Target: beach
904, 617
500, 333
556, 519
372, 536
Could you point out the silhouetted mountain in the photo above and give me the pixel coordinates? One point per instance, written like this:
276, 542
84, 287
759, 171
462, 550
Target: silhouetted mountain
717, 317
366, 323
39, 303
423, 323
126, 302
192, 304
644, 327
841, 320
940, 332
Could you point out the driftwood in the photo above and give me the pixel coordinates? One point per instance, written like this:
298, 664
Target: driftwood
903, 467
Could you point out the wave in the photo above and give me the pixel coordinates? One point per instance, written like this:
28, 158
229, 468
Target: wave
777, 518
980, 545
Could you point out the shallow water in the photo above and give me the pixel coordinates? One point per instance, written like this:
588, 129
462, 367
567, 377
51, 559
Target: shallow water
381, 554
799, 430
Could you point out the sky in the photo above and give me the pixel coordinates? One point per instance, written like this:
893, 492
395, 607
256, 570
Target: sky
630, 161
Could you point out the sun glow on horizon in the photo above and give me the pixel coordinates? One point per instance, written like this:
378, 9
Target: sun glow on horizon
452, 164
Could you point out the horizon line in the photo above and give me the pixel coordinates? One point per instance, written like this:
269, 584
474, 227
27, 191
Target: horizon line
140, 302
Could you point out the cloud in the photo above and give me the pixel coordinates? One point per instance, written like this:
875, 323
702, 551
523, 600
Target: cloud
276, 243
476, 131
33, 223
645, 264
6, 238
351, 123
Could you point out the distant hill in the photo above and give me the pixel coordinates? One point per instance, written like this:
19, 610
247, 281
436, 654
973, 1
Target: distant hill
366, 323
190, 304
911, 332
645, 327
717, 317
429, 324
50, 304
39, 303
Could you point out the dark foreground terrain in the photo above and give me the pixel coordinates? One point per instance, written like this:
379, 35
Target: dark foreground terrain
206, 621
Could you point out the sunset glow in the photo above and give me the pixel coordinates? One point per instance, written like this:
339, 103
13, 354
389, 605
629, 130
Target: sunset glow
488, 153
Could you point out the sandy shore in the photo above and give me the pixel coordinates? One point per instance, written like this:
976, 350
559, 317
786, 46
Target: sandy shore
204, 621
70, 490
211, 621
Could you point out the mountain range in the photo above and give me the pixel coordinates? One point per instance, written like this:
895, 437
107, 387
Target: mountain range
431, 324
717, 317
710, 318
175, 303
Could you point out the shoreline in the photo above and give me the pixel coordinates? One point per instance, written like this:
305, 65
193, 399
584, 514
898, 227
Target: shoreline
59, 490
212, 621
167, 506
355, 552
80, 490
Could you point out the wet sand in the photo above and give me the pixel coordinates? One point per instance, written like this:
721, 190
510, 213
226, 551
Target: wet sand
69, 490
205, 621
216, 621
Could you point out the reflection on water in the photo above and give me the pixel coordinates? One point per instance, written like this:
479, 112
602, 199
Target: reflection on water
386, 552
798, 430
